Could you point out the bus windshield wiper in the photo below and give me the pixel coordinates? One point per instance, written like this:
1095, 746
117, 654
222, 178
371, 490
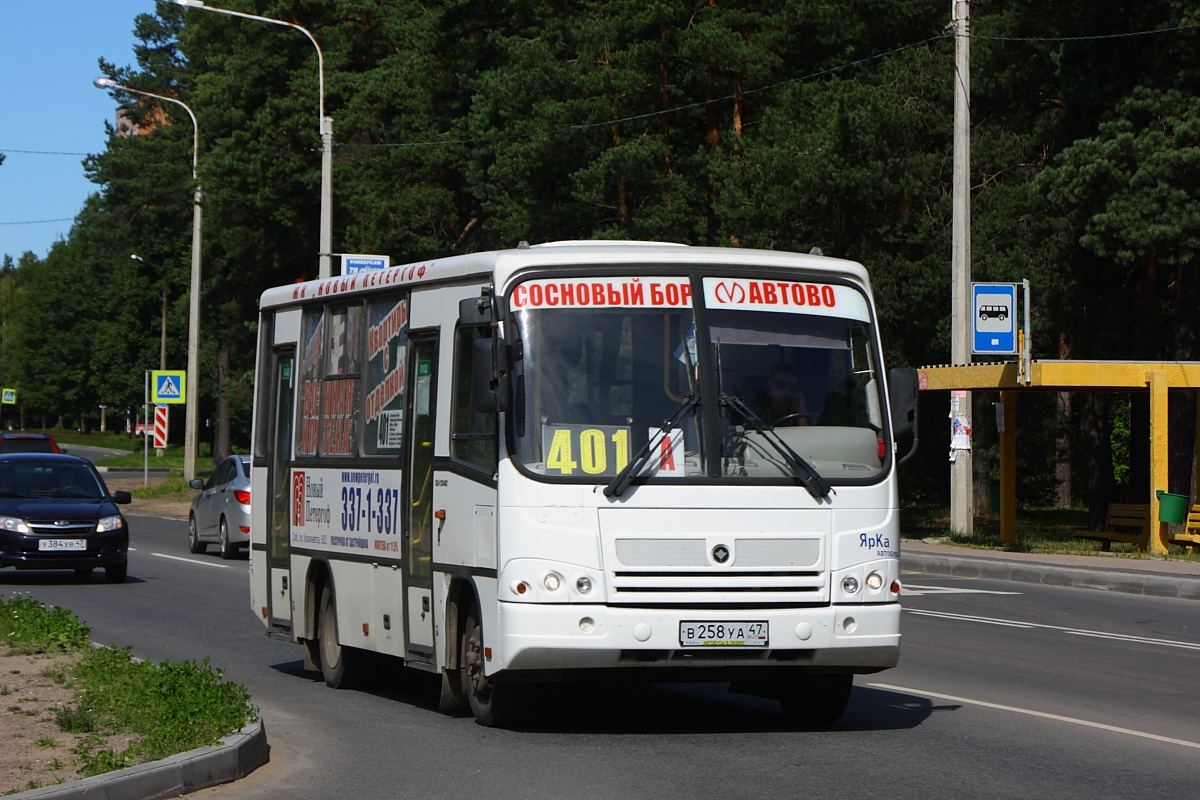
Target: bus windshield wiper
804, 472
622, 479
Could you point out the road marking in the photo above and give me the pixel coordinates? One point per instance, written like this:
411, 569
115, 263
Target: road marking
191, 561
1043, 714
1119, 637
921, 589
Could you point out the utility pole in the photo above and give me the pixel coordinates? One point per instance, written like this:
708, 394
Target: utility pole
962, 500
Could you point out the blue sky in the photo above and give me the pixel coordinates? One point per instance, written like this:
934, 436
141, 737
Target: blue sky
48, 56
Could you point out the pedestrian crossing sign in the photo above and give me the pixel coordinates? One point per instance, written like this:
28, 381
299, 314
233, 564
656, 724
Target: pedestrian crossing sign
10, 397
168, 386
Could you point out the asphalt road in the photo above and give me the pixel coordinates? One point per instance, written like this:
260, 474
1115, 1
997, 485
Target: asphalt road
1004, 690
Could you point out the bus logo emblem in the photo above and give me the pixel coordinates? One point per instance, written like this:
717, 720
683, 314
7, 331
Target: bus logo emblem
720, 554
298, 498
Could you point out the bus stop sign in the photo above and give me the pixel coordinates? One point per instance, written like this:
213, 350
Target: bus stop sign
995, 306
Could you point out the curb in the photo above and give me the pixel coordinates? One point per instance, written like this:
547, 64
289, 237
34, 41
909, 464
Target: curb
1184, 587
238, 754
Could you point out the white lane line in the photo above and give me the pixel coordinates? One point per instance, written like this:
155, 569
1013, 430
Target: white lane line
944, 590
192, 561
1042, 714
1121, 637
965, 618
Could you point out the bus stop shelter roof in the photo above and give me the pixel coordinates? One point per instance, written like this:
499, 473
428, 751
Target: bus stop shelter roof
1061, 376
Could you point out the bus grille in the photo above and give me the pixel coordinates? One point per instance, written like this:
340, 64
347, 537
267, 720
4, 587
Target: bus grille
687, 571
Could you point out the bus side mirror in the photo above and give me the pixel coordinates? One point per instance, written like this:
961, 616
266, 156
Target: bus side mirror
489, 377
902, 400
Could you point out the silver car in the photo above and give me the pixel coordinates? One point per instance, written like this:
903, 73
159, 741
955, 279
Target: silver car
221, 512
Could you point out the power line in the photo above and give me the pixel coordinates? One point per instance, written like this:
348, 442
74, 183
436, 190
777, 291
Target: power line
39, 221
43, 152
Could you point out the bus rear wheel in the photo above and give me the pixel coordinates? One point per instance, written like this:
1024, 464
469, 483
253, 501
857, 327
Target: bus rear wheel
341, 667
816, 699
493, 703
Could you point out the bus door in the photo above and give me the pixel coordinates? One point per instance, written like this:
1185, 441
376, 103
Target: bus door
419, 522
279, 596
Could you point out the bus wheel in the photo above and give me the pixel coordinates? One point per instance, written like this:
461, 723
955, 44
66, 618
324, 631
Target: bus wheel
816, 699
494, 703
341, 667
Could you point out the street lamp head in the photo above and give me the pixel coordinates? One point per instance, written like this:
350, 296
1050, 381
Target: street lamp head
191, 3
105, 83
138, 258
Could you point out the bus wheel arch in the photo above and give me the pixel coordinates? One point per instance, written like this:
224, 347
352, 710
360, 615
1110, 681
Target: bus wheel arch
460, 597
339, 664
494, 702
318, 576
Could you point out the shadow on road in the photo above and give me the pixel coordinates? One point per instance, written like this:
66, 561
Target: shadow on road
648, 708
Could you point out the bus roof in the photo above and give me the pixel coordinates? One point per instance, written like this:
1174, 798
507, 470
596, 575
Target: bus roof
500, 265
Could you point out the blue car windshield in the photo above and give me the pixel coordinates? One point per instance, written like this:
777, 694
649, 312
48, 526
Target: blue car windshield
49, 479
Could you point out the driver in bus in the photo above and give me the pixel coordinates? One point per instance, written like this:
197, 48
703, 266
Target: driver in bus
785, 401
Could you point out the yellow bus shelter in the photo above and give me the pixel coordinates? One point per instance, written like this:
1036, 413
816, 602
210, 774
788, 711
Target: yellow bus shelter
1072, 376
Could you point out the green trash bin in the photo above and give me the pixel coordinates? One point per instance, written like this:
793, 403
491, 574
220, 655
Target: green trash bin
1172, 508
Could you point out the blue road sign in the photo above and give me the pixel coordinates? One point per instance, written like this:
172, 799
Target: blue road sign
995, 306
353, 264
168, 386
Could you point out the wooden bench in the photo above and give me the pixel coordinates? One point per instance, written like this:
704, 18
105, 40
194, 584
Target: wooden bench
1127, 522
1191, 535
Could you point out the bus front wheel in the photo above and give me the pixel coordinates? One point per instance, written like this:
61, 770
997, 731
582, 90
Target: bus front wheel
493, 703
816, 699
341, 667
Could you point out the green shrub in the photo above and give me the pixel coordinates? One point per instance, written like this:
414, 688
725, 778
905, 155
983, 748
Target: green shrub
172, 707
27, 626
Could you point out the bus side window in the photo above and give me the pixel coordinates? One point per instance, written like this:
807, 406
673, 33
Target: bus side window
473, 430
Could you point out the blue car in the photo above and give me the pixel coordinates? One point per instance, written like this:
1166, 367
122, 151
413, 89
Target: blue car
56, 513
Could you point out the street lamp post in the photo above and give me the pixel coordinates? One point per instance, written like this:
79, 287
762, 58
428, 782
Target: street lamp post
162, 339
192, 399
326, 128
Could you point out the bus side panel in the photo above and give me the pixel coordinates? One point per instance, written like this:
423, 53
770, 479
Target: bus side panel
360, 623
467, 536
259, 576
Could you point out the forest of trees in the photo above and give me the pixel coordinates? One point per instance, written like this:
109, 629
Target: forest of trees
465, 125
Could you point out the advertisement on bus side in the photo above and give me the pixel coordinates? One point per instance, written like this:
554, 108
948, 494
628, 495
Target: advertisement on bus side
353, 511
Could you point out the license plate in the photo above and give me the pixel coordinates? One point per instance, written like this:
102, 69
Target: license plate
62, 544
723, 634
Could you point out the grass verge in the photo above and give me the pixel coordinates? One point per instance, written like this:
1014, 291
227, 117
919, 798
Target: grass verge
166, 708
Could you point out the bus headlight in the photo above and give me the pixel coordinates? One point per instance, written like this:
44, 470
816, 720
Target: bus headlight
552, 581
850, 584
874, 581
584, 585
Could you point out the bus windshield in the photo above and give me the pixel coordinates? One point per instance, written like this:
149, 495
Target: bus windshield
611, 373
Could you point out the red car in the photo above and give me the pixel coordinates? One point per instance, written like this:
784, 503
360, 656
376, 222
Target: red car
27, 443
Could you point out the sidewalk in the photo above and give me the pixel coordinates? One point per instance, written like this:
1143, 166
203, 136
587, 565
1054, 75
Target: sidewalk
1147, 576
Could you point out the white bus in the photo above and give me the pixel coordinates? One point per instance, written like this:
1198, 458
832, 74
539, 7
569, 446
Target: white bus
564, 463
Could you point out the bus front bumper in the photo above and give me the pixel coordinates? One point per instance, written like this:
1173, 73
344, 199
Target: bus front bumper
854, 638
